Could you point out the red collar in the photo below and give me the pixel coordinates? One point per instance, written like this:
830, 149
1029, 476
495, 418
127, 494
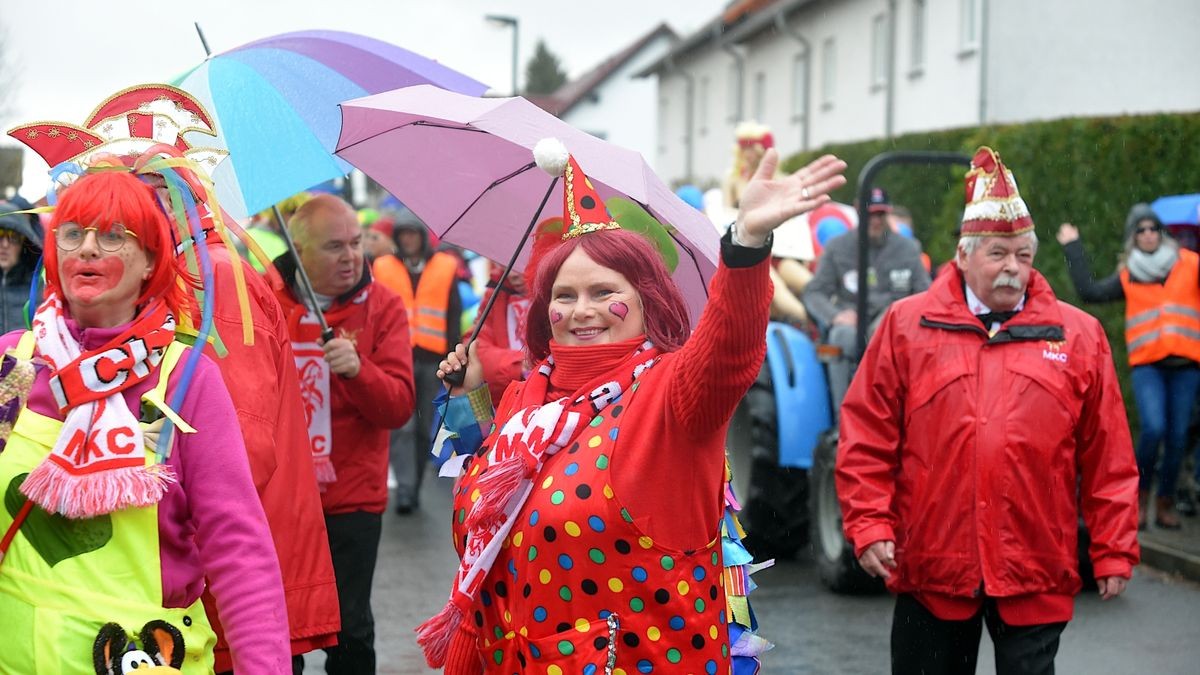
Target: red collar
949, 302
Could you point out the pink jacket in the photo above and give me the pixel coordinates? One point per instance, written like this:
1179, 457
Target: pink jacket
210, 523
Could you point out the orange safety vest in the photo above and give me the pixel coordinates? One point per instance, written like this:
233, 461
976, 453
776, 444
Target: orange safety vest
1163, 320
428, 307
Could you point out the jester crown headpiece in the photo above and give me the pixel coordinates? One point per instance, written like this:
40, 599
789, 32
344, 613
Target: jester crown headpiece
994, 206
125, 126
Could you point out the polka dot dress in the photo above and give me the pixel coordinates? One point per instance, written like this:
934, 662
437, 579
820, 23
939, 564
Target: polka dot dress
578, 589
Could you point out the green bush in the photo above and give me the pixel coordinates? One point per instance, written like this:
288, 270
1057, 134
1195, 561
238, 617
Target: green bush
1086, 171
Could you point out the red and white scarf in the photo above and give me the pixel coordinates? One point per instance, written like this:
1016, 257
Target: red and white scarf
98, 464
515, 454
313, 370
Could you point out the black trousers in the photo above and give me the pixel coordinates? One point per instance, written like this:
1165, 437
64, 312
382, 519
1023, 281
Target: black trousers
923, 644
354, 546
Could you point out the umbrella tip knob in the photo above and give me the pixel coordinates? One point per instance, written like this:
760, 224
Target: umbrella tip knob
551, 156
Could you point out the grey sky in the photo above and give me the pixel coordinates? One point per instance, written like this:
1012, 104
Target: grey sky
71, 54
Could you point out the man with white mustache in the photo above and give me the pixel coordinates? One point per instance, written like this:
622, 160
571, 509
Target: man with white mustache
978, 408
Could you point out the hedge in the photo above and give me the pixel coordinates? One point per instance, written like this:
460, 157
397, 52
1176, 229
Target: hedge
1087, 171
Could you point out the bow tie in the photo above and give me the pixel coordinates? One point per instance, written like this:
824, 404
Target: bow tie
988, 318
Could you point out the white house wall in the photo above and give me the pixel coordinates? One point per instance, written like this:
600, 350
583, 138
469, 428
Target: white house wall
944, 92
671, 130
713, 119
771, 55
856, 110
715, 134
1047, 59
1092, 58
623, 109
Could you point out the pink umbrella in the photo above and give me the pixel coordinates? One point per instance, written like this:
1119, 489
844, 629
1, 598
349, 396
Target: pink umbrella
465, 166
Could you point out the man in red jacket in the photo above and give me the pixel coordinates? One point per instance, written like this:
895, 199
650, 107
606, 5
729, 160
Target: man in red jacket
262, 382
356, 387
500, 344
984, 417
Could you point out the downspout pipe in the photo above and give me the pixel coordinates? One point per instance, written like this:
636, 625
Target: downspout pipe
689, 119
889, 115
984, 11
783, 27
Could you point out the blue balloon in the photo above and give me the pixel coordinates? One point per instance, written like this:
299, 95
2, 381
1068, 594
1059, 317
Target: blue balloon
828, 228
692, 196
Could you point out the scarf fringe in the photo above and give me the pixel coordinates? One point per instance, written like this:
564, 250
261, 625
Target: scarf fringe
53, 488
323, 467
496, 489
434, 636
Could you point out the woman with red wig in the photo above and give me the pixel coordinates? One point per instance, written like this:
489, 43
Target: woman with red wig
588, 523
103, 536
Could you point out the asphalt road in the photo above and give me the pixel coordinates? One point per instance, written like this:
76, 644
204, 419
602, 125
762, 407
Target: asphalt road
1154, 628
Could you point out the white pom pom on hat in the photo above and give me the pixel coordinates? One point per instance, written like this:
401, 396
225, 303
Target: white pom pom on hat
551, 156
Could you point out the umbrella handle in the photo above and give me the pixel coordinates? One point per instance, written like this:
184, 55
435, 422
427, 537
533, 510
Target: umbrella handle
457, 377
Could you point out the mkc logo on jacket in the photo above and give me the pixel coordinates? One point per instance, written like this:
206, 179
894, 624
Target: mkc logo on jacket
1053, 351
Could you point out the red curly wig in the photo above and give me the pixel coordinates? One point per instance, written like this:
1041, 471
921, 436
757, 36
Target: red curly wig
629, 254
101, 199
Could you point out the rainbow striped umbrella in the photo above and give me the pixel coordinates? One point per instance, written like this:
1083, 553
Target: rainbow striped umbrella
275, 104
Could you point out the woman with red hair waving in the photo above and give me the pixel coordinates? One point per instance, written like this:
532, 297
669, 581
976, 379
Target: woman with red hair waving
101, 531
588, 522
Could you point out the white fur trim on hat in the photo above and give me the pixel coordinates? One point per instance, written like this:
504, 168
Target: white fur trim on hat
1006, 210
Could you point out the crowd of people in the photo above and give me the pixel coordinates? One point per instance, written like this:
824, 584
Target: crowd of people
199, 428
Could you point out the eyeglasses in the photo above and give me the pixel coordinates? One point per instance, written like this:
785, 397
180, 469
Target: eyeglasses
11, 238
70, 236
1150, 228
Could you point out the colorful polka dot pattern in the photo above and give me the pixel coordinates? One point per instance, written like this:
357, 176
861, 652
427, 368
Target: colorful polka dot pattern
574, 559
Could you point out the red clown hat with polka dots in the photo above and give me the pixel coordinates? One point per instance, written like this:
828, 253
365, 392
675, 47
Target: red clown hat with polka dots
583, 210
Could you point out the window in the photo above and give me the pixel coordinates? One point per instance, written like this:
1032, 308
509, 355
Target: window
799, 87
917, 56
735, 92
828, 72
879, 51
760, 96
968, 32
702, 106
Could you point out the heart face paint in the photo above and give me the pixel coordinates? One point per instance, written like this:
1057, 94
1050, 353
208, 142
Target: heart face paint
555, 316
84, 280
619, 309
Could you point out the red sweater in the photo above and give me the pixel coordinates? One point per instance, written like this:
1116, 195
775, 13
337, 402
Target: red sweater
666, 472
675, 436
683, 413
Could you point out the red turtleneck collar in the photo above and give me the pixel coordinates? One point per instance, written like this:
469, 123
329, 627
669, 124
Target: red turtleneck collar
576, 365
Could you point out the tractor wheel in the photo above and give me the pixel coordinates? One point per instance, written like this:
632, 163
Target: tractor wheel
774, 498
836, 564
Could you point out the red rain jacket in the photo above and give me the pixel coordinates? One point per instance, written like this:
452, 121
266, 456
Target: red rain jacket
970, 452
263, 384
